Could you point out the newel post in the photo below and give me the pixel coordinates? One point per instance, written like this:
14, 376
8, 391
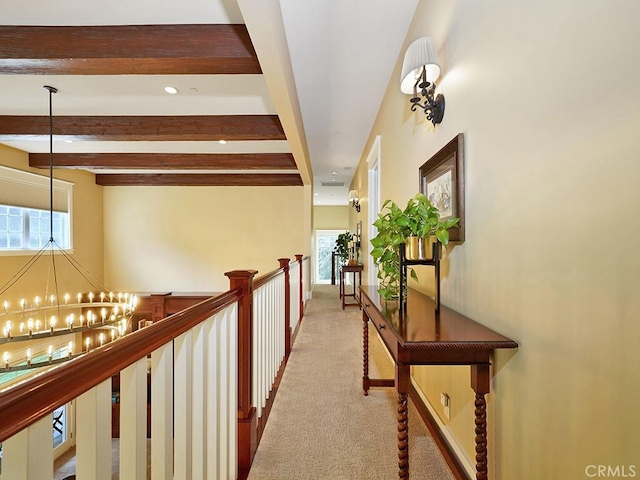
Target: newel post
247, 421
299, 259
158, 303
284, 264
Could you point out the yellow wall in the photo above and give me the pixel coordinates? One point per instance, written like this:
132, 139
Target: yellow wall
184, 239
546, 95
331, 218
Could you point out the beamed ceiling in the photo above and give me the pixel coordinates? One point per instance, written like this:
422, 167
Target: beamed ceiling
145, 50
292, 88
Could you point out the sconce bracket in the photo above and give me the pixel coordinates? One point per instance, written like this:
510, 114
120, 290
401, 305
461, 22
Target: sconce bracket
433, 108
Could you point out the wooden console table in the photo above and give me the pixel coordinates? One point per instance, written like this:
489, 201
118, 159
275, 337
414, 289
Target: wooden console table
419, 336
354, 269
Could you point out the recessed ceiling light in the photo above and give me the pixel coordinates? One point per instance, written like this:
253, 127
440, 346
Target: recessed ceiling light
222, 142
316, 194
171, 90
68, 141
334, 173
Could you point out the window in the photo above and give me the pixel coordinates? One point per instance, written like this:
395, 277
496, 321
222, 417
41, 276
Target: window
29, 229
25, 218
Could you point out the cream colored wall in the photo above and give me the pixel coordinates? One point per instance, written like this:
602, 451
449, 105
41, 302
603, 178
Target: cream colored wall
328, 217
185, 239
87, 233
546, 95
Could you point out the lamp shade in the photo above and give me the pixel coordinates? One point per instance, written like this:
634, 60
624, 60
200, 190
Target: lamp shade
353, 195
420, 52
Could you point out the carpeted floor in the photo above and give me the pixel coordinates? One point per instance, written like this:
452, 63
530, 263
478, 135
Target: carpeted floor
321, 425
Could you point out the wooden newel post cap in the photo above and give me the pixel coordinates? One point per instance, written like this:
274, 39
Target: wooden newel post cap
284, 262
239, 277
299, 256
241, 274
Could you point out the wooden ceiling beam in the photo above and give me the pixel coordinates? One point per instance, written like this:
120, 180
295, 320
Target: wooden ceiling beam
149, 128
127, 50
200, 180
166, 161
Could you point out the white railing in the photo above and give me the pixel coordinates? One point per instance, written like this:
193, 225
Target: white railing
268, 337
193, 421
211, 369
294, 281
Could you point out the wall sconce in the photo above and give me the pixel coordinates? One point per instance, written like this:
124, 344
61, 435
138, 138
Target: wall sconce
353, 198
420, 70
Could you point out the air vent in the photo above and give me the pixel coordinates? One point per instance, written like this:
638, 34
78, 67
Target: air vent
333, 184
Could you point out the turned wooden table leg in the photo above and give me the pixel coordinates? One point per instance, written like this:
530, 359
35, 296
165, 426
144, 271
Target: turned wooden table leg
481, 437
403, 437
480, 383
365, 353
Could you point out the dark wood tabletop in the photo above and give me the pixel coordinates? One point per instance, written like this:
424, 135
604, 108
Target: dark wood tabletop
420, 327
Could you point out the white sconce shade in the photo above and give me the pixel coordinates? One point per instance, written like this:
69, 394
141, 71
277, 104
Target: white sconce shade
420, 53
353, 195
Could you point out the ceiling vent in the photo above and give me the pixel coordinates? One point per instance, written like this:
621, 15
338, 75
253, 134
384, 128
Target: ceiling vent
333, 184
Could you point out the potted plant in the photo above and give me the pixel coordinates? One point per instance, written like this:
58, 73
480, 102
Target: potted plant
342, 247
413, 226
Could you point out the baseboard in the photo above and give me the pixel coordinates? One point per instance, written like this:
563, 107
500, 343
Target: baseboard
455, 457
262, 421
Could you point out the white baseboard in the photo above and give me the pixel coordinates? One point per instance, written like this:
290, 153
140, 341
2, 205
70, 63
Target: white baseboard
446, 433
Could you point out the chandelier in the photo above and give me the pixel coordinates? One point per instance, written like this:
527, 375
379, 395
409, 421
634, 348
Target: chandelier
37, 319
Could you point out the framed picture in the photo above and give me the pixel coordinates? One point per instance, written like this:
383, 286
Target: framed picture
359, 232
442, 182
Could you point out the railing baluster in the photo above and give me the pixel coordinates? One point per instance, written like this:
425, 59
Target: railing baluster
93, 433
198, 443
28, 455
183, 346
162, 413
133, 421
231, 372
215, 334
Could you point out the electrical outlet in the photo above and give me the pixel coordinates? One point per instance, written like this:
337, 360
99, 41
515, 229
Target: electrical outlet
446, 403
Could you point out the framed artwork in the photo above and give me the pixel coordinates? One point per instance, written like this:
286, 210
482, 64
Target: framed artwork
359, 232
442, 182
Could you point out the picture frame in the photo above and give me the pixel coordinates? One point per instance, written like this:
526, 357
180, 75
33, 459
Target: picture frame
442, 182
359, 232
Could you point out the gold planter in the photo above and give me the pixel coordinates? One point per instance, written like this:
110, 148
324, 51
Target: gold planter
419, 248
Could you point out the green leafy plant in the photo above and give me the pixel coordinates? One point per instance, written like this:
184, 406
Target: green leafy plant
419, 218
342, 247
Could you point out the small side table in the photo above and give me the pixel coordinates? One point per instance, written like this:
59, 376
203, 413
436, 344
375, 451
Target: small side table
353, 269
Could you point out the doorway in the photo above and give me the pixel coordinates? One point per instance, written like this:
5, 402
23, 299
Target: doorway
325, 244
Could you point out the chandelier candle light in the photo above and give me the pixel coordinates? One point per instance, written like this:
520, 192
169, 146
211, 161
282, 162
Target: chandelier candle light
29, 318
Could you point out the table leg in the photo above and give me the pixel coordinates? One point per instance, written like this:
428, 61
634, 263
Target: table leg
365, 353
480, 382
481, 437
403, 437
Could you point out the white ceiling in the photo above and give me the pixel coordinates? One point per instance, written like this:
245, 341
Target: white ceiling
342, 54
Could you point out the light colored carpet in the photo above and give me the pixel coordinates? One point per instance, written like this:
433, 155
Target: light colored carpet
321, 425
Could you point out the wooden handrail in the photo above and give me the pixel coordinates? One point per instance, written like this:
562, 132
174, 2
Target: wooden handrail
267, 277
260, 281
30, 401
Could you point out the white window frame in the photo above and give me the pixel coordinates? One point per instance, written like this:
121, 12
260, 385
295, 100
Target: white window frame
62, 188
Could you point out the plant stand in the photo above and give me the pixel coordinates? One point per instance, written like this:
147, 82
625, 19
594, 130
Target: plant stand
404, 263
